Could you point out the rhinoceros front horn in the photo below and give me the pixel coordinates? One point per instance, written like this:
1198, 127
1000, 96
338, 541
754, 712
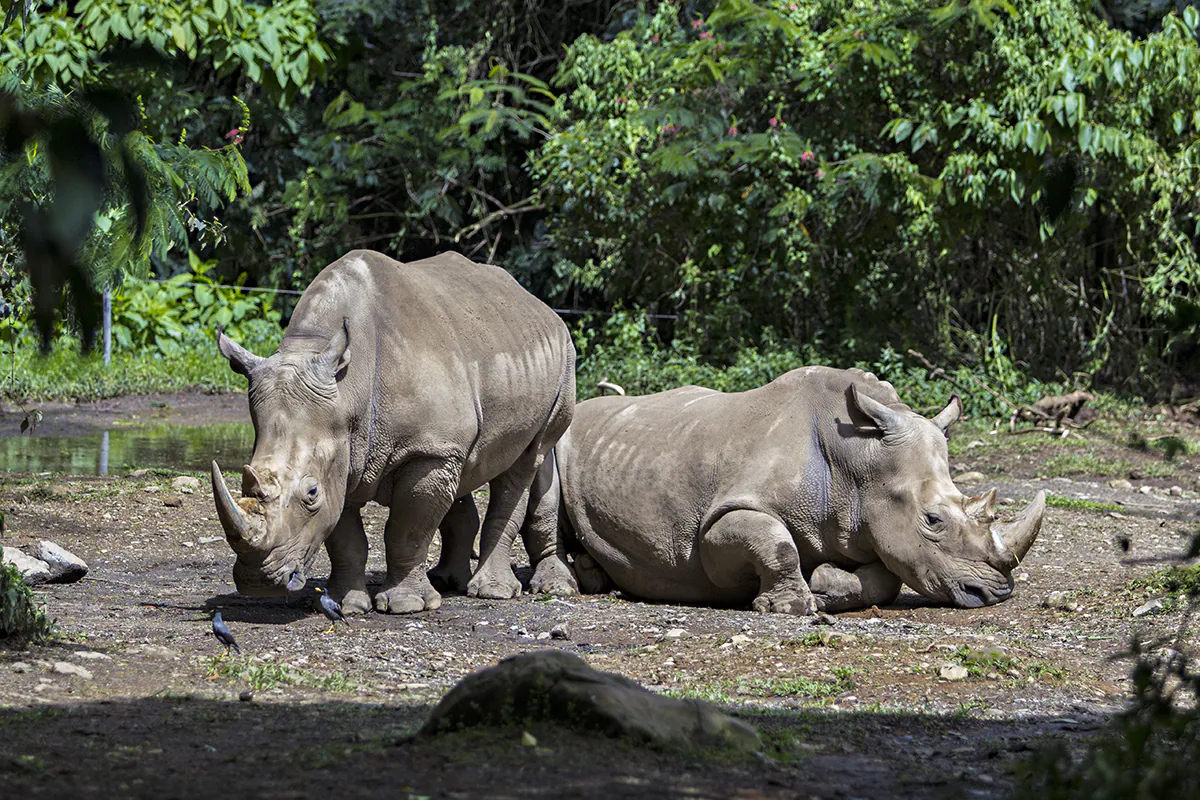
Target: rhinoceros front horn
1018, 536
231, 517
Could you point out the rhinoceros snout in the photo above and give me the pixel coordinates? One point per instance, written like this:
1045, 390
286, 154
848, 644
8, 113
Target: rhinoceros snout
975, 595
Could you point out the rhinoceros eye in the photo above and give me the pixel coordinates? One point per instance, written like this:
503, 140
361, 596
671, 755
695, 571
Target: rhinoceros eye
310, 491
933, 520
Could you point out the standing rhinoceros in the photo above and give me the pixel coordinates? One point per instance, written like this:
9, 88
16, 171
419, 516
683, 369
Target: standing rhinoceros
818, 491
459, 377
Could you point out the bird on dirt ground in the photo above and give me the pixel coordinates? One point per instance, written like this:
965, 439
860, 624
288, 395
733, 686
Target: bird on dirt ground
331, 608
223, 634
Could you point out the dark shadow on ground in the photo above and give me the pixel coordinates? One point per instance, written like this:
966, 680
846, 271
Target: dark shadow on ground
182, 747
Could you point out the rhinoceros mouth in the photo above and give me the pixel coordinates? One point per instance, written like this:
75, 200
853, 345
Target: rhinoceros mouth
970, 594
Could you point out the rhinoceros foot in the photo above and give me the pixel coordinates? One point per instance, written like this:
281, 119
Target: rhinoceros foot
552, 576
354, 601
450, 579
785, 601
499, 584
591, 576
408, 598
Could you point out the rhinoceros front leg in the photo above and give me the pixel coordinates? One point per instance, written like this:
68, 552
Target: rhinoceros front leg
458, 530
509, 498
347, 548
839, 590
745, 545
422, 495
540, 533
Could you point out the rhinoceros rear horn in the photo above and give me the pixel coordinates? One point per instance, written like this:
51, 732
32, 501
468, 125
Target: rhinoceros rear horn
1018, 536
336, 355
231, 517
240, 359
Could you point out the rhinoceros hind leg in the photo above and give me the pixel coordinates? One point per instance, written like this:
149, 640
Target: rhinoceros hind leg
839, 590
509, 499
542, 538
591, 576
745, 546
458, 530
347, 548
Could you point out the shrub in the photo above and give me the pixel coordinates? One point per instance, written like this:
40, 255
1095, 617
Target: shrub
22, 619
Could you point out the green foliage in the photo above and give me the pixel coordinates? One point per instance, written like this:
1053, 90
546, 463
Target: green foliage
1175, 580
1075, 504
149, 314
23, 619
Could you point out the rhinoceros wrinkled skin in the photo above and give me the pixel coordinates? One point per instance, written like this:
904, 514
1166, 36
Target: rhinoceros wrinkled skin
818, 491
412, 385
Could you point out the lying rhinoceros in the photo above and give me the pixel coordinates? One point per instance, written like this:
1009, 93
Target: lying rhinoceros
459, 377
818, 491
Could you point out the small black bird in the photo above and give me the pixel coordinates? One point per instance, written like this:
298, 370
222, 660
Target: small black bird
331, 608
223, 634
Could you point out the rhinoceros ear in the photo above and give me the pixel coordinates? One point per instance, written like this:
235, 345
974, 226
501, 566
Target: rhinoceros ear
886, 419
336, 356
982, 507
240, 359
948, 415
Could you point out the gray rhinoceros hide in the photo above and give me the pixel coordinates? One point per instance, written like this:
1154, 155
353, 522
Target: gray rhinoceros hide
818, 491
411, 385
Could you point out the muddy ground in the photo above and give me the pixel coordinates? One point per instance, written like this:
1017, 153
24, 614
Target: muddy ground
859, 708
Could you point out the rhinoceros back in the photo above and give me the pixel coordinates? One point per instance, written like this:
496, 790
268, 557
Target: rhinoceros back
449, 358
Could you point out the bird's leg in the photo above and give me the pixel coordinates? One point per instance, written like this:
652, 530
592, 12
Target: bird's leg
331, 626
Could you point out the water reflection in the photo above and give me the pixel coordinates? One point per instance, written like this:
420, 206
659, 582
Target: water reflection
186, 448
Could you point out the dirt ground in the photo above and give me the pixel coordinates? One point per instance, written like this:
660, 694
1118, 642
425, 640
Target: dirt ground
858, 708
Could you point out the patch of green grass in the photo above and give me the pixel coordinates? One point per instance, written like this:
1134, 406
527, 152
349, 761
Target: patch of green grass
797, 686
262, 675
1076, 504
980, 661
1174, 580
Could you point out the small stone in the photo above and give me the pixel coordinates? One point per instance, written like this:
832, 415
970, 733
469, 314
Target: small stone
149, 489
674, 633
91, 655
67, 668
1175, 491
543, 635
740, 639
975, 443
1120, 483
1061, 601
185, 482
528, 739
65, 566
1148, 607
970, 477
20, 666
210, 539
953, 672
1146, 489
559, 632
33, 570
173, 501
1006, 501
246, 696
824, 619
139, 473
158, 652
1136, 474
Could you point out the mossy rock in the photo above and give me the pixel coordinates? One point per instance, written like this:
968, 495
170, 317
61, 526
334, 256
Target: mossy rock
557, 687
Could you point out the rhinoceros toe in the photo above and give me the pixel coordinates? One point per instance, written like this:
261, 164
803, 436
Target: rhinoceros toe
355, 601
785, 602
404, 600
554, 577
497, 586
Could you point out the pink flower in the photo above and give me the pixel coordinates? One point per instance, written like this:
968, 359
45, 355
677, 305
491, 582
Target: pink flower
968, 170
706, 35
696, 23
669, 129
820, 173
792, 6
622, 100
772, 122
858, 34
629, 86
654, 38
806, 156
733, 130
236, 135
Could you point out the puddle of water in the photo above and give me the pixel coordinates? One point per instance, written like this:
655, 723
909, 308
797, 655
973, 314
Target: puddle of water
185, 448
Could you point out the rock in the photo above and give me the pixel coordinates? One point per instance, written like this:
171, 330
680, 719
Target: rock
210, 539
246, 696
543, 636
970, 477
91, 655
740, 639
1148, 607
65, 566
1146, 489
33, 570
953, 672
139, 473
558, 687
1136, 474
674, 633
20, 666
1006, 501
528, 739
824, 619
559, 632
1120, 483
185, 484
1175, 491
1061, 601
67, 668
159, 652
173, 501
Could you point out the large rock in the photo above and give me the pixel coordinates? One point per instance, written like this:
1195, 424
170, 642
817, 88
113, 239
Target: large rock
65, 566
557, 687
33, 571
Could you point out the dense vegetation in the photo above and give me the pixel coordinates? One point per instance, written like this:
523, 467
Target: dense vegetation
1008, 188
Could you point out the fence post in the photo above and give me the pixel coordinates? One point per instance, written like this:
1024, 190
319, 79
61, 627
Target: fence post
107, 307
